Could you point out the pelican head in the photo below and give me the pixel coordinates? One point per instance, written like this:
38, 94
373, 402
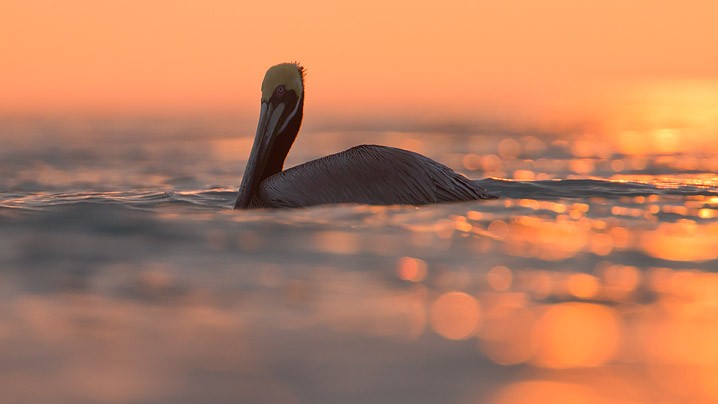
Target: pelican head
280, 116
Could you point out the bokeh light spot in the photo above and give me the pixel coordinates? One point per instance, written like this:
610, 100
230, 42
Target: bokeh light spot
499, 278
583, 285
411, 269
576, 335
455, 315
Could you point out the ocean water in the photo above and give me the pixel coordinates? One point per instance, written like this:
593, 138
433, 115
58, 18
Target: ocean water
126, 277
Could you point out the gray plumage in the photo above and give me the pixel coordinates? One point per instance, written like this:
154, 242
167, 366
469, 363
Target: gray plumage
367, 174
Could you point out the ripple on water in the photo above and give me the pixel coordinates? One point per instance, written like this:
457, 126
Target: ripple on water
593, 289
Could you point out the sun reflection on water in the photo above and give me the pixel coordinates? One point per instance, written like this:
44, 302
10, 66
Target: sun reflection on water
599, 321
608, 296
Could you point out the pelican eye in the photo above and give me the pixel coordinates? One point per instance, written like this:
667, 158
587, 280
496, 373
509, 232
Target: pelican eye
280, 91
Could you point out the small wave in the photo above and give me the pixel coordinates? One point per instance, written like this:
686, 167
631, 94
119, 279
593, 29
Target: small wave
222, 198
211, 199
588, 188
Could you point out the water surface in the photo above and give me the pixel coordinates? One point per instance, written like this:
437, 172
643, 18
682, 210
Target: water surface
126, 277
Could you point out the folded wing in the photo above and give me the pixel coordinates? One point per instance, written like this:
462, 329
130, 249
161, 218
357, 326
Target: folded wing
368, 174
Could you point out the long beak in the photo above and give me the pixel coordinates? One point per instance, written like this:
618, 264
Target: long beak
269, 117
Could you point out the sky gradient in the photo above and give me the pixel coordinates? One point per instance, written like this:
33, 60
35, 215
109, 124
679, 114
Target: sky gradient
550, 60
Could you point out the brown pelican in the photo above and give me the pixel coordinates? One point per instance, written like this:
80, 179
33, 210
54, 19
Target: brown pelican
366, 174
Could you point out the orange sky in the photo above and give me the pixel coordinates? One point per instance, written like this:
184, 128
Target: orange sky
455, 59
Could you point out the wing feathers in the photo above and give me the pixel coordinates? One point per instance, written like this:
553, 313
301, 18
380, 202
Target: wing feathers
368, 174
